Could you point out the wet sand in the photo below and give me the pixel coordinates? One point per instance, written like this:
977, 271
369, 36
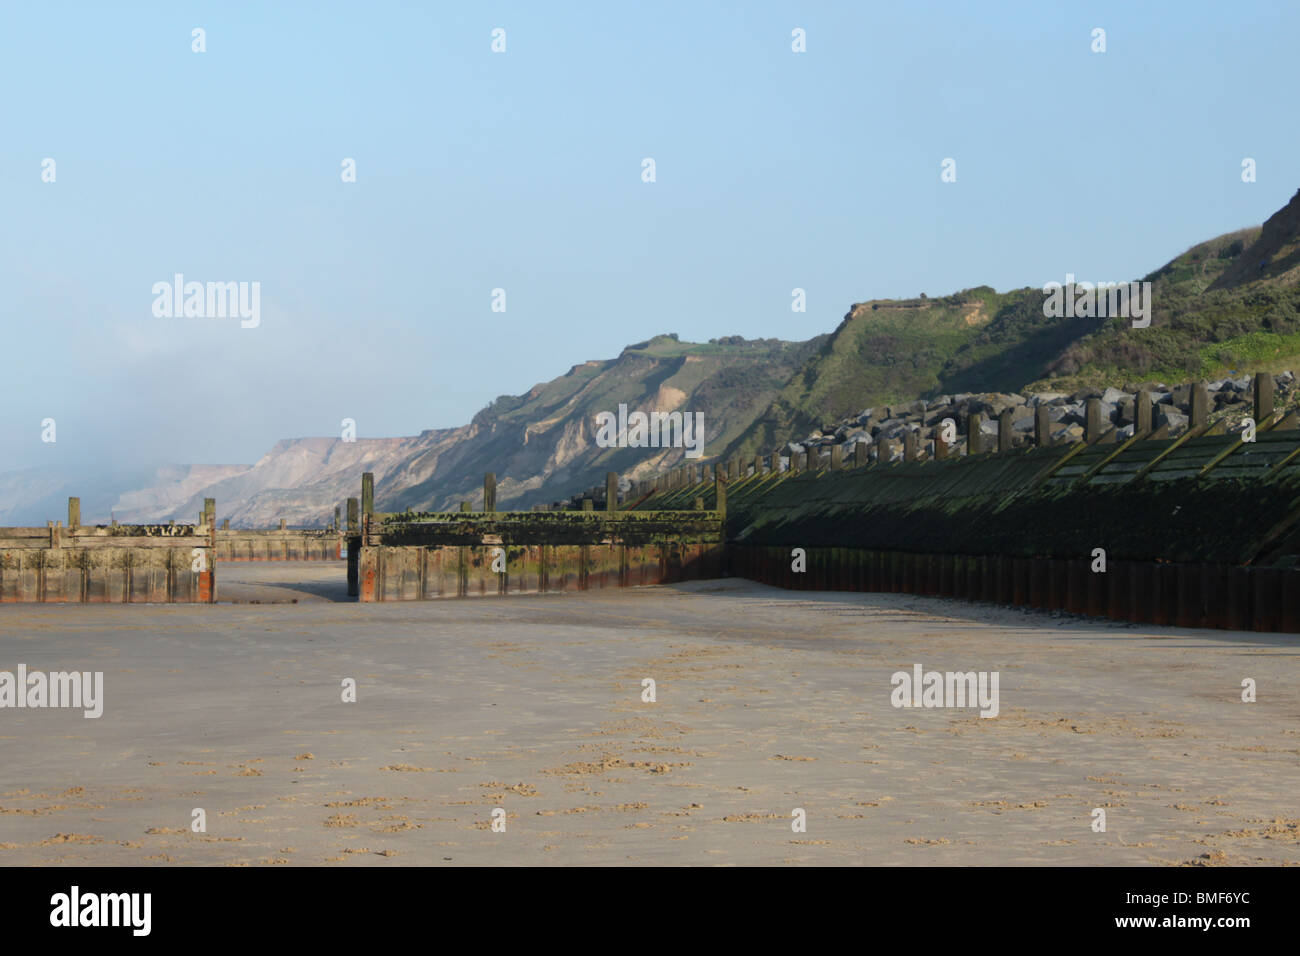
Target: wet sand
767, 701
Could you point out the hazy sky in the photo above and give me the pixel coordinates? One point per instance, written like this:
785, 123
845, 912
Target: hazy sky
522, 170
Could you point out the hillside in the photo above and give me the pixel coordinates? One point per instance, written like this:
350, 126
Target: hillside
541, 444
1226, 305
1216, 312
1273, 254
1222, 307
898, 350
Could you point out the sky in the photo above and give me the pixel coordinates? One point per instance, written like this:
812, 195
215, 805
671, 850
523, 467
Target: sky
522, 170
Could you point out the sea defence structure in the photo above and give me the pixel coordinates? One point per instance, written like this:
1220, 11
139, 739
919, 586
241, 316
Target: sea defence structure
132, 564
419, 556
279, 544
143, 563
1202, 530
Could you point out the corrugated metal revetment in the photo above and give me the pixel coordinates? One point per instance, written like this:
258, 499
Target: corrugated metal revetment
1200, 531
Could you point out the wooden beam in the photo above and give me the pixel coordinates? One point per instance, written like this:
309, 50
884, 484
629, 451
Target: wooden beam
1177, 443
1107, 459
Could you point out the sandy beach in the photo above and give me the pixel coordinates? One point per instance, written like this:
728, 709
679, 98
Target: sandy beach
766, 702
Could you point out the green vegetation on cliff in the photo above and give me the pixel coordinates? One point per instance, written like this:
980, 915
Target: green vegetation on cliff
1223, 307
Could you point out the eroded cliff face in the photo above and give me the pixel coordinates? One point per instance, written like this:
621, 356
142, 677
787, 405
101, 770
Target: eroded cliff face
1274, 255
760, 395
300, 480
541, 445
175, 487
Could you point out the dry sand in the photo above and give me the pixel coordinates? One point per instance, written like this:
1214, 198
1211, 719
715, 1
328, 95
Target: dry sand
767, 701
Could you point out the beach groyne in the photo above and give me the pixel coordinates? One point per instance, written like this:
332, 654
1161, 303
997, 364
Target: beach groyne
163, 563
279, 544
102, 564
421, 556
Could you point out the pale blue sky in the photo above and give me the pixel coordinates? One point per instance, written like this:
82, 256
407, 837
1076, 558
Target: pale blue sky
522, 170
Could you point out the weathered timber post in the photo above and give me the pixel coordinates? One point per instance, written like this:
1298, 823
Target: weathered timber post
588, 504
1263, 396
353, 507
225, 524
697, 504
1092, 421
367, 505
758, 465
731, 470
720, 494
975, 433
368, 493
210, 505
1042, 426
611, 491
1200, 405
775, 466
1004, 430
909, 445
74, 513
814, 458
941, 447
281, 523
464, 506
837, 457
337, 516
1142, 413
860, 451
490, 491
